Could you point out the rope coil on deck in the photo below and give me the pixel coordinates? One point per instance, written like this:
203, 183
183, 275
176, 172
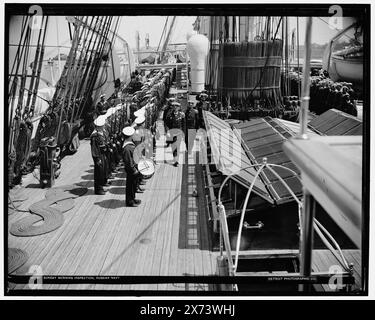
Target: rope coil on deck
16, 259
25, 227
42, 211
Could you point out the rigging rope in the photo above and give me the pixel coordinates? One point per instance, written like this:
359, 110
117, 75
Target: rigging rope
33, 73
18, 53
162, 34
39, 71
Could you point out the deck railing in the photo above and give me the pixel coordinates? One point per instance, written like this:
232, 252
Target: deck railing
322, 232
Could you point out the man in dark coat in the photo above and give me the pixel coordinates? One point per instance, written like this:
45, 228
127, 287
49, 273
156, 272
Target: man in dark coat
98, 150
167, 119
130, 87
191, 125
202, 105
176, 130
101, 106
131, 170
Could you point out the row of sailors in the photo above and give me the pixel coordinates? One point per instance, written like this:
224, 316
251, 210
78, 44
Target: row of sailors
108, 145
123, 114
152, 91
107, 154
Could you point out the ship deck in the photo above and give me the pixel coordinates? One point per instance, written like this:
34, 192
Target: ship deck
167, 235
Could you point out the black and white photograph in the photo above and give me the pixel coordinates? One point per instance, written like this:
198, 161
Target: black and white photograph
210, 149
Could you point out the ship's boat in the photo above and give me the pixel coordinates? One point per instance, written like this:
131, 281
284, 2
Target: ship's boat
347, 64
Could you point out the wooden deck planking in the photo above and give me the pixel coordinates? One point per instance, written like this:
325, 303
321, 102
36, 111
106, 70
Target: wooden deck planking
98, 253
159, 233
162, 253
111, 265
174, 248
144, 263
128, 240
78, 217
82, 269
34, 245
93, 221
140, 231
156, 253
146, 235
129, 232
167, 244
92, 240
37, 243
78, 248
110, 225
150, 231
72, 256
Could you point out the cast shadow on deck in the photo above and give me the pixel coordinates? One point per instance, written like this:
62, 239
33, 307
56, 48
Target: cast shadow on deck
33, 185
141, 234
111, 203
118, 190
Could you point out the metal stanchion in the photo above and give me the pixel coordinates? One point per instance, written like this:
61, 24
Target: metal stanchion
307, 237
306, 82
308, 213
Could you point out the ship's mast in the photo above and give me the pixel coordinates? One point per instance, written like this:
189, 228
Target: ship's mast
306, 81
137, 39
167, 38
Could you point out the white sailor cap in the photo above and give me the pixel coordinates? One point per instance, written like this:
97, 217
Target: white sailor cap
100, 121
109, 112
128, 131
140, 119
140, 112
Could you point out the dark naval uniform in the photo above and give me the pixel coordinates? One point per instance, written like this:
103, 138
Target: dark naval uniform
100, 108
131, 170
177, 128
200, 114
191, 125
98, 148
138, 139
108, 156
